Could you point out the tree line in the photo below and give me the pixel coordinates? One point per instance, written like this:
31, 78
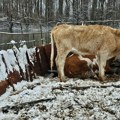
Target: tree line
45, 11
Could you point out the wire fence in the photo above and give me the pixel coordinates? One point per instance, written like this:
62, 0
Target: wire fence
32, 39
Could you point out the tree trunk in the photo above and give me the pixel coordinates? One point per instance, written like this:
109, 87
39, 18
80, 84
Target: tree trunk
67, 9
93, 11
49, 10
60, 8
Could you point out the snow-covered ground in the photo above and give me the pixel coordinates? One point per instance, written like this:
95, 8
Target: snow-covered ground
75, 99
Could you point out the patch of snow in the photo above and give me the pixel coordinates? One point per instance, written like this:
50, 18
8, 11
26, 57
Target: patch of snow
9, 61
3, 74
12, 42
7, 58
69, 104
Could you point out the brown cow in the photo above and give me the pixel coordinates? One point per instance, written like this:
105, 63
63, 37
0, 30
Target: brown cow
83, 68
80, 67
102, 41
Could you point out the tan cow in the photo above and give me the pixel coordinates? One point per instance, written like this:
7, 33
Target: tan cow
99, 40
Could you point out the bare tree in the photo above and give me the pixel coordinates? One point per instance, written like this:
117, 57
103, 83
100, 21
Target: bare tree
60, 8
93, 10
49, 11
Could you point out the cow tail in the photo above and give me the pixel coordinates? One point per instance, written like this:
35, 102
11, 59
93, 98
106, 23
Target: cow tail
52, 51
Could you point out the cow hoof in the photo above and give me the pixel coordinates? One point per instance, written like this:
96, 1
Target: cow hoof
102, 78
63, 79
105, 81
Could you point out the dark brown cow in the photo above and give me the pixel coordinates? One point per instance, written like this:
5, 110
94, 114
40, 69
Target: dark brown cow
42, 59
102, 41
3, 85
13, 77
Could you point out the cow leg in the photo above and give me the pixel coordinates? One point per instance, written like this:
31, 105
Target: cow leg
102, 58
60, 62
11, 84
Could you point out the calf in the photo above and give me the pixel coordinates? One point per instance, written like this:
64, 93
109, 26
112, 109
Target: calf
85, 67
80, 67
102, 41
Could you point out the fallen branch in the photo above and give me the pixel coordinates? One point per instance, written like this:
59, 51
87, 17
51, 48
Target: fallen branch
109, 110
20, 106
83, 87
